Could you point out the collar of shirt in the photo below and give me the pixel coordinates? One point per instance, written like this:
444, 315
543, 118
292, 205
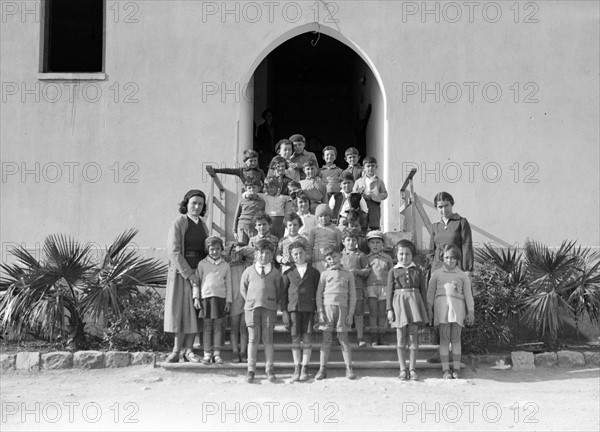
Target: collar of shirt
445, 270
214, 262
412, 264
377, 253
455, 216
332, 166
336, 267
267, 267
350, 252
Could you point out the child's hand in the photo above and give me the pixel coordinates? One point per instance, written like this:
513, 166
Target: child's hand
391, 316
194, 279
197, 304
471, 318
210, 169
322, 317
227, 307
349, 319
286, 318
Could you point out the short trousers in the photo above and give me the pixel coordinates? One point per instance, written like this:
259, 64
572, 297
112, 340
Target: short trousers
336, 315
301, 323
377, 291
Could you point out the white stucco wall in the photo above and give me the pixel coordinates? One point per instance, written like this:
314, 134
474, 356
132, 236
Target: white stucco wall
178, 53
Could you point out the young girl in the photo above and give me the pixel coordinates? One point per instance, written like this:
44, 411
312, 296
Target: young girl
293, 223
274, 205
324, 234
214, 301
449, 300
405, 305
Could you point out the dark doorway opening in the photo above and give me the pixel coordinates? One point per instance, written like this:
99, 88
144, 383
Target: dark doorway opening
316, 86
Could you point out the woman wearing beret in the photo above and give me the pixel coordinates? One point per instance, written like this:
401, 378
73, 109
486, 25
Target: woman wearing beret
185, 248
451, 229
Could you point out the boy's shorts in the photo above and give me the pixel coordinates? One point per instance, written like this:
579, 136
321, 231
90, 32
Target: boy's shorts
377, 291
263, 319
337, 315
301, 323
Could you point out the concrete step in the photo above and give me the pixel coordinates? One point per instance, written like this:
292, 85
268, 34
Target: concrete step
283, 353
286, 368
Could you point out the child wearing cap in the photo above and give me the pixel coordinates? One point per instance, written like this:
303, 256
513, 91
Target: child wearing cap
301, 156
298, 304
352, 156
249, 170
213, 297
324, 234
356, 263
312, 185
261, 286
248, 206
373, 190
330, 173
380, 264
336, 300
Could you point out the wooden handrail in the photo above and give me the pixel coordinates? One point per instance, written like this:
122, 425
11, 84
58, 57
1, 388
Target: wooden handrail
216, 180
409, 177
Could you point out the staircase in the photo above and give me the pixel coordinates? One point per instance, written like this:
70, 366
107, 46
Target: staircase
368, 358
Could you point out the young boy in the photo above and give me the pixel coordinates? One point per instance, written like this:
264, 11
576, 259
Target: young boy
248, 206
345, 200
298, 305
275, 205
294, 189
301, 156
322, 235
380, 264
352, 156
330, 173
312, 185
261, 287
293, 223
373, 190
249, 170
336, 300
356, 263
262, 225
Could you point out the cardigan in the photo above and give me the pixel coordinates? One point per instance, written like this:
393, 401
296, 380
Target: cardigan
215, 280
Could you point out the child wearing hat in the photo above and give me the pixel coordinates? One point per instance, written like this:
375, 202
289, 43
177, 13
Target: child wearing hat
249, 170
324, 234
212, 297
301, 156
380, 264
336, 300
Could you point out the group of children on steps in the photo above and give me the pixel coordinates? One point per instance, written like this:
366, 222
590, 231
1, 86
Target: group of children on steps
289, 256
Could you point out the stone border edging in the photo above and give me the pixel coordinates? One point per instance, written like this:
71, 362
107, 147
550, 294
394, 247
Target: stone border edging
36, 361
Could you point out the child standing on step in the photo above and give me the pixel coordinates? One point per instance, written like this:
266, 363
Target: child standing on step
356, 263
293, 223
248, 206
213, 297
298, 304
249, 170
330, 173
261, 287
380, 264
406, 306
324, 234
373, 191
451, 306
336, 300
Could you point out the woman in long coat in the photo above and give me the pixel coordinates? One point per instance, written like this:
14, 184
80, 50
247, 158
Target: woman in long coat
185, 248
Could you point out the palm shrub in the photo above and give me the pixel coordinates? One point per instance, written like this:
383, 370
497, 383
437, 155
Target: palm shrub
56, 296
564, 283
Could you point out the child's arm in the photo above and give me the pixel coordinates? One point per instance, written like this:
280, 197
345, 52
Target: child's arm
320, 288
230, 171
431, 294
279, 252
278, 287
365, 270
244, 284
352, 300
285, 299
196, 293
389, 294
236, 219
228, 289
363, 205
469, 301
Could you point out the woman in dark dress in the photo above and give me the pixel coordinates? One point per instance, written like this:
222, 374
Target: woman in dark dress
185, 248
452, 228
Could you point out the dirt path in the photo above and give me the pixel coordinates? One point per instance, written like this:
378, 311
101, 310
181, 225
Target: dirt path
142, 398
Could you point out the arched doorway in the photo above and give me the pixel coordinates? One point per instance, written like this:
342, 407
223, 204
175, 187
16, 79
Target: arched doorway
322, 86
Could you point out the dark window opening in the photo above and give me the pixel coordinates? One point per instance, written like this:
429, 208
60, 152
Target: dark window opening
73, 35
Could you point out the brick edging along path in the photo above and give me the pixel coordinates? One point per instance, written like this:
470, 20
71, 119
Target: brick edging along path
35, 361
